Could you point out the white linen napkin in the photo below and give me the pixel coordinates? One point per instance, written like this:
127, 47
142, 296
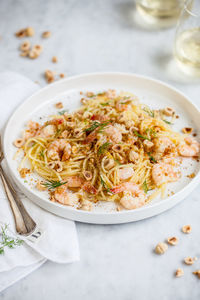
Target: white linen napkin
59, 242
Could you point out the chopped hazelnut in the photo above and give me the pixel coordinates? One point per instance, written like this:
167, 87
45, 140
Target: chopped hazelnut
54, 59
18, 143
148, 144
87, 175
189, 260
59, 105
187, 229
168, 111
23, 172
49, 75
30, 31
25, 46
46, 34
40, 186
86, 205
37, 48
161, 248
89, 94
172, 241
21, 33
33, 54
187, 130
117, 148
62, 75
197, 273
179, 272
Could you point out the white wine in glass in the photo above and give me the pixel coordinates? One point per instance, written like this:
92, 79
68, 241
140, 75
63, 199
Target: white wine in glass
164, 13
187, 42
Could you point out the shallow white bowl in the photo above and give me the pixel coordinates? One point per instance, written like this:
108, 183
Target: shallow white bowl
152, 92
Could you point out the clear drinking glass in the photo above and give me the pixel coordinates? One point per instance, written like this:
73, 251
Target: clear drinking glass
187, 40
162, 13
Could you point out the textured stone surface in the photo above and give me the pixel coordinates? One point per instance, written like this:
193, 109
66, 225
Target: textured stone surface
117, 262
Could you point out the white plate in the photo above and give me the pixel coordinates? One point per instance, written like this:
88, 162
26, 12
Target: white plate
152, 92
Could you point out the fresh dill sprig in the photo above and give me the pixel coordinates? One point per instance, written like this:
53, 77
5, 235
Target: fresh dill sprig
62, 112
141, 136
117, 161
149, 112
7, 241
96, 125
105, 186
42, 153
151, 157
103, 148
53, 184
167, 122
105, 103
145, 187
151, 132
102, 126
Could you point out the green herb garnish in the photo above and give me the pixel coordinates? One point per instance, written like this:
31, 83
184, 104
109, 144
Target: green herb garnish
149, 112
53, 184
96, 125
117, 161
151, 132
103, 148
58, 132
42, 153
145, 187
62, 112
7, 241
152, 158
105, 186
141, 136
105, 104
167, 122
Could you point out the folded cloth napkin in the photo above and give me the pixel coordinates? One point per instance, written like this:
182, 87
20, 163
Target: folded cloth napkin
59, 242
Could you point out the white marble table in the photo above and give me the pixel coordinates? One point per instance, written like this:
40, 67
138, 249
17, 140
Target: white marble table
117, 262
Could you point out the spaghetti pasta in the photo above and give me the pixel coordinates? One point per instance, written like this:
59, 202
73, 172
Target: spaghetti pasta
110, 141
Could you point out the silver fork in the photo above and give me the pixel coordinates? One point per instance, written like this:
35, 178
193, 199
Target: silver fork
24, 224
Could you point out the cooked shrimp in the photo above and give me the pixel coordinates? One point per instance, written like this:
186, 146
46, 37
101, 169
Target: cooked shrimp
125, 186
75, 182
47, 131
133, 200
64, 196
163, 173
125, 173
59, 150
133, 197
91, 137
113, 133
189, 148
163, 144
101, 118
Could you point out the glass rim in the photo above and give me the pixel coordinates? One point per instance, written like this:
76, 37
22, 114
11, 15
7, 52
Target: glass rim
186, 4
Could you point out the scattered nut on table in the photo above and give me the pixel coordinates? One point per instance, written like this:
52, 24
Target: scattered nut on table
46, 34
189, 260
179, 272
161, 248
172, 240
197, 273
187, 229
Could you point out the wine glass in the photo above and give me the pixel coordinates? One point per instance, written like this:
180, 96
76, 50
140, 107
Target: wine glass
187, 40
162, 13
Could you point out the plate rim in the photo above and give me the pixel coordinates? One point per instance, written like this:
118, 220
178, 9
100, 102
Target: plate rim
190, 186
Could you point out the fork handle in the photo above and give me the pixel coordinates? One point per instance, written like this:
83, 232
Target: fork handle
23, 222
